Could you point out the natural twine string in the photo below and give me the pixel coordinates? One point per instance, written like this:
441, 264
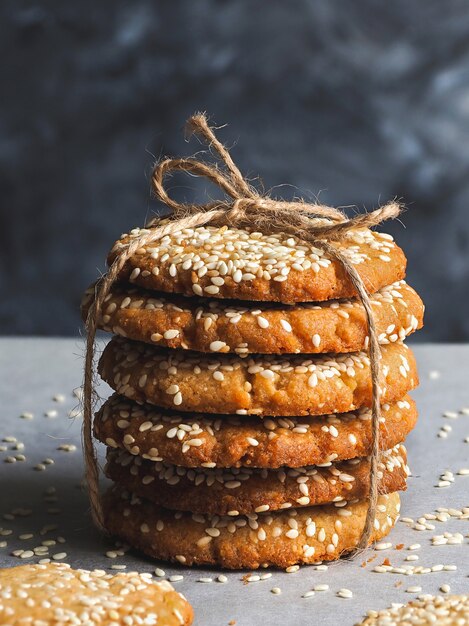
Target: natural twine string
243, 207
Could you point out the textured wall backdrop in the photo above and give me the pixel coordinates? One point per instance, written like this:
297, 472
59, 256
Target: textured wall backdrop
356, 101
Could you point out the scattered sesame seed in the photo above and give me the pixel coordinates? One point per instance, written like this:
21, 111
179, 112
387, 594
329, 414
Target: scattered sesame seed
26, 554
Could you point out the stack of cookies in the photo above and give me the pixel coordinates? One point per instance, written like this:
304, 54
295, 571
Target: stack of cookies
240, 429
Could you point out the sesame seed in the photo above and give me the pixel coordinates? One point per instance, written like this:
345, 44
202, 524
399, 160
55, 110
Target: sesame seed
216, 346
292, 533
262, 322
383, 545
26, 554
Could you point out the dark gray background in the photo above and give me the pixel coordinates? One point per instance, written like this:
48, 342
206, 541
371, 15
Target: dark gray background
355, 101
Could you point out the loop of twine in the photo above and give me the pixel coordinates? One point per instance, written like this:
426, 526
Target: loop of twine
243, 207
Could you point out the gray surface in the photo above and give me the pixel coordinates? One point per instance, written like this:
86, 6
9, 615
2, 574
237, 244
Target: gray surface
32, 371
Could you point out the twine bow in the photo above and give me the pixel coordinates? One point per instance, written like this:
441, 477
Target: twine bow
243, 206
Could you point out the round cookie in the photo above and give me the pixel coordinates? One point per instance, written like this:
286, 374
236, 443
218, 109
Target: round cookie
56, 593
244, 490
280, 539
260, 385
231, 441
425, 611
231, 263
244, 328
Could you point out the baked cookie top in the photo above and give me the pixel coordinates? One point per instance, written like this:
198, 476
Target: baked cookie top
200, 440
267, 328
260, 385
56, 594
425, 611
224, 262
281, 538
244, 490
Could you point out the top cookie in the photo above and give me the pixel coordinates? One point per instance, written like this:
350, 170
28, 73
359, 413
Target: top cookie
55, 593
222, 262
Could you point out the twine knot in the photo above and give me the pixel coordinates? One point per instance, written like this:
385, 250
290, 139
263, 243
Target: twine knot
242, 206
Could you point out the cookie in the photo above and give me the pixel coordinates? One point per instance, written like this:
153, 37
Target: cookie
244, 328
245, 490
46, 595
280, 539
232, 441
231, 263
425, 611
259, 385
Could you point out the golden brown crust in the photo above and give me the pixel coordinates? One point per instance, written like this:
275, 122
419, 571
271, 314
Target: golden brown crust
243, 328
260, 385
279, 539
244, 490
231, 441
231, 263
30, 594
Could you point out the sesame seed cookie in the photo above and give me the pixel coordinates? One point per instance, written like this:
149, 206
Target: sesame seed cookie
231, 441
276, 539
244, 328
245, 490
231, 263
260, 385
56, 593
425, 611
